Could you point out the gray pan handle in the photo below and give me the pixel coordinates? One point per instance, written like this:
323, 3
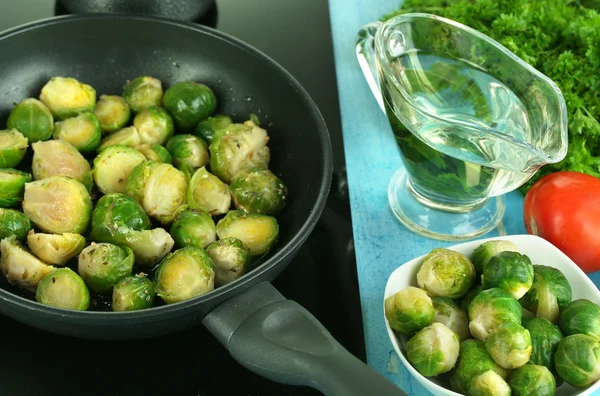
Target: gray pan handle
282, 341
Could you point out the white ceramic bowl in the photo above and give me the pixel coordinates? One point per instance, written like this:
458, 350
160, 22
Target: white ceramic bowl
539, 251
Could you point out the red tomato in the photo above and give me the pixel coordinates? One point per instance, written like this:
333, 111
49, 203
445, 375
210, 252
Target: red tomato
564, 209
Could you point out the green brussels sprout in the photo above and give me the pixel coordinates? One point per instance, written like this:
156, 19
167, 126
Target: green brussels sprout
133, 293
208, 193
577, 360
102, 265
113, 166
231, 258
451, 316
473, 360
186, 273
58, 204
489, 309
207, 128
511, 271
433, 350
20, 267
154, 125
237, 148
155, 152
545, 337
188, 150
465, 301
580, 317
13, 146
189, 103
509, 345
532, 380
483, 253
13, 222
59, 158
143, 92
446, 273
55, 249
129, 137
193, 228
489, 383
409, 310
258, 232
259, 191
160, 188
112, 112
33, 119
67, 97
63, 288
549, 294
82, 131
12, 187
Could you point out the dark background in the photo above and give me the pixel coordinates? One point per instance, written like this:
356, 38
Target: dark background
296, 33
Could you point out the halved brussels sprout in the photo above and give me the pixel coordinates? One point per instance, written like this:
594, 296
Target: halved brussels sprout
20, 267
13, 146
155, 152
63, 288
55, 249
58, 204
154, 125
545, 337
208, 193
129, 137
446, 273
580, 317
549, 294
102, 265
193, 228
484, 252
188, 151
577, 360
489, 309
82, 131
66, 97
143, 92
230, 257
433, 350
532, 380
451, 316
409, 310
259, 191
509, 345
12, 187
113, 166
258, 232
489, 383
13, 222
189, 103
112, 112
59, 158
133, 293
186, 273
33, 119
510, 271
206, 129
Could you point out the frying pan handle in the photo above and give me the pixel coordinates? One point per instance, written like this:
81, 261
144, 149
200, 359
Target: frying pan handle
280, 340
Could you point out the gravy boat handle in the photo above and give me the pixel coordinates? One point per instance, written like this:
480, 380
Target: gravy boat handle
367, 58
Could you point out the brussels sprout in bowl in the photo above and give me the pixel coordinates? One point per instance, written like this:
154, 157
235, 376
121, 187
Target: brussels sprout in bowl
540, 252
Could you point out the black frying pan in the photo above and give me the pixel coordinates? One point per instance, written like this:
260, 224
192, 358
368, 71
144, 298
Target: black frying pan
265, 332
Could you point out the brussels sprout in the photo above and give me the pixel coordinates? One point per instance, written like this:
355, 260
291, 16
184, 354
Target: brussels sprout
160, 189
207, 128
13, 222
433, 350
509, 345
113, 166
33, 119
155, 152
208, 193
580, 317
63, 288
55, 249
143, 92
82, 131
465, 301
489, 309
133, 293
12, 187
189, 103
154, 125
129, 137
102, 265
112, 112
258, 232
511, 271
545, 337
237, 148
59, 158
58, 204
259, 191
484, 252
532, 380
13, 146
188, 150
409, 310
67, 97
20, 267
451, 316
473, 359
489, 383
548, 295
577, 360
230, 257
186, 273
193, 228
446, 273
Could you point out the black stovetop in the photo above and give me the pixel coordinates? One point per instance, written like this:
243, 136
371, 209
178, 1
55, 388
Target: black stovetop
322, 277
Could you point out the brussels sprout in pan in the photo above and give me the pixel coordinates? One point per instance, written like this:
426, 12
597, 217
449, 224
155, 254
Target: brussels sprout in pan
66, 97
489, 309
55, 249
33, 119
113, 166
509, 345
59, 158
112, 112
155, 152
489, 383
532, 380
133, 293
446, 273
189, 103
483, 253
63, 288
208, 193
143, 92
577, 360
549, 294
409, 310
14, 222
13, 146
206, 129
451, 316
433, 350
188, 151
259, 191
82, 131
193, 228
258, 232
12, 187
545, 337
580, 317
20, 267
102, 265
510, 271
154, 125
128, 136
231, 258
